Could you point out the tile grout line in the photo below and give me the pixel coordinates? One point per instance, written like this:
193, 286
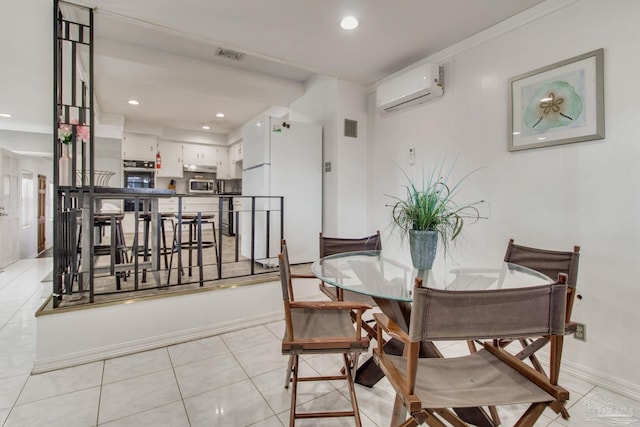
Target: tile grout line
251, 378
175, 376
100, 394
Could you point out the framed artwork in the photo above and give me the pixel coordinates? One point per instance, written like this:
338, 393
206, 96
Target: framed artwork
558, 104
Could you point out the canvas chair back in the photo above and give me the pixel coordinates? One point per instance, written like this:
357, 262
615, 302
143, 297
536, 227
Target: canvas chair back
336, 245
550, 263
501, 313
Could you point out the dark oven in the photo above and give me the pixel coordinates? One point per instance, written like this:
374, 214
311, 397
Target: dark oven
137, 174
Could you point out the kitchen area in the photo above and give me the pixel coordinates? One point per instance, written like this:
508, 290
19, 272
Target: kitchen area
232, 199
199, 173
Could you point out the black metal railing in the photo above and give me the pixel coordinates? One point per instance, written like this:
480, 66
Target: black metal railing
201, 251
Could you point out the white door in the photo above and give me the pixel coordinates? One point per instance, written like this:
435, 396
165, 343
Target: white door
9, 208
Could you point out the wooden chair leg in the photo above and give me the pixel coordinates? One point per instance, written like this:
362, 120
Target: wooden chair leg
287, 379
294, 391
399, 414
531, 415
352, 388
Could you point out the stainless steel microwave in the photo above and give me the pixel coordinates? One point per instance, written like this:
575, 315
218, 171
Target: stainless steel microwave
198, 185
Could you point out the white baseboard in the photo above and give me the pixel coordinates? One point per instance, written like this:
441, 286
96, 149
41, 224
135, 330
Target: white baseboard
618, 385
595, 377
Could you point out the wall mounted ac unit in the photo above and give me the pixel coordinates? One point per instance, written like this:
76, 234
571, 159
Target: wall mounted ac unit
416, 86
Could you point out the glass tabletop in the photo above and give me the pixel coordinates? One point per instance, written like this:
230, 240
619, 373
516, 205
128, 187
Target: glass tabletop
372, 273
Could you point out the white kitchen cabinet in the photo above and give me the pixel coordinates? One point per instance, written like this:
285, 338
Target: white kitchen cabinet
139, 147
200, 154
234, 169
236, 152
223, 164
169, 205
171, 155
206, 205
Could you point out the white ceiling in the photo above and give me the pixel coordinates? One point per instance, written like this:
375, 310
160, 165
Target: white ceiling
162, 52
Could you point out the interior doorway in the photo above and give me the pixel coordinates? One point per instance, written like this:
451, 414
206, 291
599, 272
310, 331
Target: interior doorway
9, 208
42, 212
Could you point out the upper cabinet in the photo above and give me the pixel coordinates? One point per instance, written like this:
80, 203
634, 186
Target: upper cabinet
200, 155
234, 165
171, 155
223, 163
235, 153
139, 147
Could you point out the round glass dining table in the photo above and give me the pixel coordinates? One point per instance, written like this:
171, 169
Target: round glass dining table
374, 274
390, 284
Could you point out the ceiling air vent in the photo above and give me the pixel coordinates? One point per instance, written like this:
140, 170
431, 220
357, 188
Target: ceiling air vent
350, 128
230, 54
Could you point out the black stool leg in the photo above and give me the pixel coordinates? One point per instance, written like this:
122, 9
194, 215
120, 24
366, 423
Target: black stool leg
192, 232
199, 253
164, 243
115, 250
215, 240
145, 247
122, 246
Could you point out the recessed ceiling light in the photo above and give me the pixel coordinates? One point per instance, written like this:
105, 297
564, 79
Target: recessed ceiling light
205, 127
349, 23
7, 115
134, 102
220, 115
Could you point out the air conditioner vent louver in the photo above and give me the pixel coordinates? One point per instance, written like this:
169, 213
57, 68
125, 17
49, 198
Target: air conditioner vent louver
230, 54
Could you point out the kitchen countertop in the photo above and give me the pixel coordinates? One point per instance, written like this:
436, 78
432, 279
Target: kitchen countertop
132, 192
206, 195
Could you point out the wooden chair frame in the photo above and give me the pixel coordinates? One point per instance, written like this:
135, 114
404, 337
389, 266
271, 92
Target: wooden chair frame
405, 385
350, 346
550, 263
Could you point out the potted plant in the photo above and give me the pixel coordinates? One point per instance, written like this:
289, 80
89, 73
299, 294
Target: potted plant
428, 213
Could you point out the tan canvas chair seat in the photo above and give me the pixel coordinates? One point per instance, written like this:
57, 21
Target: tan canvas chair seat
444, 383
322, 326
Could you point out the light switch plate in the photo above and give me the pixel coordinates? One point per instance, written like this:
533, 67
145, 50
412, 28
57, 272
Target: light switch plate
327, 166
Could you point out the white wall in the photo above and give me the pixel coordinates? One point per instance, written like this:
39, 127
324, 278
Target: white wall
584, 193
26, 141
328, 101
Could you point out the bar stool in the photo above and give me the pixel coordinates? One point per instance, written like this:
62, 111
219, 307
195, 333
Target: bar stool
195, 241
164, 250
117, 248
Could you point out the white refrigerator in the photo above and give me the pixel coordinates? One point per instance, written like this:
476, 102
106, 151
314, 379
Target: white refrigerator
281, 158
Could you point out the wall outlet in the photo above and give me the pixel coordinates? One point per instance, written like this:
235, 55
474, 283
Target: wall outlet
327, 166
581, 332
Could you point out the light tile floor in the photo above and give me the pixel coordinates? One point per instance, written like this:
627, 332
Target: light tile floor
235, 379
